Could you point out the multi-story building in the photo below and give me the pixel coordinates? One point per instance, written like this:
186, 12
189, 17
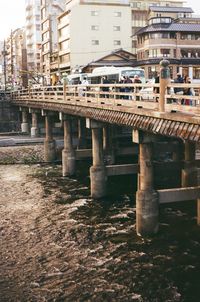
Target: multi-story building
20, 57
172, 33
50, 9
15, 59
89, 30
33, 38
140, 14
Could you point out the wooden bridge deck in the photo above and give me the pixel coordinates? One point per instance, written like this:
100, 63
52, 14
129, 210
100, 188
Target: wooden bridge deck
136, 108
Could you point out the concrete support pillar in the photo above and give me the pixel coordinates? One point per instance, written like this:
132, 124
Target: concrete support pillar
108, 146
189, 171
81, 133
147, 207
34, 128
49, 142
98, 177
68, 153
24, 124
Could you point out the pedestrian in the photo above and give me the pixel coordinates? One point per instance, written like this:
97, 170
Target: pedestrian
157, 89
189, 91
84, 85
136, 80
122, 89
105, 88
127, 80
179, 90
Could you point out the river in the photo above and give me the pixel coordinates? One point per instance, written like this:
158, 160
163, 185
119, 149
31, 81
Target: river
57, 244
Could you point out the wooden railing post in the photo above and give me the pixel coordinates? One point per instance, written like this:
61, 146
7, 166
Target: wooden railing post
164, 81
64, 89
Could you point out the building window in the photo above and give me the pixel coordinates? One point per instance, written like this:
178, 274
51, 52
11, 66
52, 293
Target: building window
94, 13
165, 52
64, 45
116, 28
117, 14
65, 59
196, 73
95, 27
95, 42
45, 36
117, 42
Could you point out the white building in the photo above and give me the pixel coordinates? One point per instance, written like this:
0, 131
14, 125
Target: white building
33, 37
90, 29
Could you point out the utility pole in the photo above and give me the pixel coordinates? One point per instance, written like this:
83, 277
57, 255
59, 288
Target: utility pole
4, 53
11, 59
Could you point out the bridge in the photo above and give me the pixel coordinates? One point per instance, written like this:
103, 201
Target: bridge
152, 117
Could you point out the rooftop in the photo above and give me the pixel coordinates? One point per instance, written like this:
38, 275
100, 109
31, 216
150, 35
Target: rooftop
170, 27
171, 9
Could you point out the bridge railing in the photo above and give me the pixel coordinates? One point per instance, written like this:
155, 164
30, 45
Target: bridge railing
126, 95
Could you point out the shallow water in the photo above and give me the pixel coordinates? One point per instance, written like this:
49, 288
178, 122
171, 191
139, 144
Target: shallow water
116, 264
69, 247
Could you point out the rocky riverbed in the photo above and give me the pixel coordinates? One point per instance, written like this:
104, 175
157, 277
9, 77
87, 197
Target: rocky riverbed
57, 244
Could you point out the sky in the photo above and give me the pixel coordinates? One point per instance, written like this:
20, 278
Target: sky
12, 15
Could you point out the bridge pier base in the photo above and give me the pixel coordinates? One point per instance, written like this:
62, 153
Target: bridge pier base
49, 142
24, 124
147, 203
98, 177
68, 153
34, 127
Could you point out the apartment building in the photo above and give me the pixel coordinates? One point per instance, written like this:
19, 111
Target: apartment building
140, 15
174, 34
33, 38
20, 76
15, 59
50, 9
91, 29
88, 30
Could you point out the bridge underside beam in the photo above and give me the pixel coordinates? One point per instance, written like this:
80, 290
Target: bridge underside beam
114, 170
167, 124
87, 153
178, 194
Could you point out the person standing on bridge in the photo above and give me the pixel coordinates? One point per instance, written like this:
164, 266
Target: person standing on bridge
188, 91
157, 89
179, 90
84, 85
137, 80
105, 88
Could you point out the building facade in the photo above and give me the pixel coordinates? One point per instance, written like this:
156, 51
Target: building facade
33, 38
174, 34
140, 15
50, 9
88, 30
